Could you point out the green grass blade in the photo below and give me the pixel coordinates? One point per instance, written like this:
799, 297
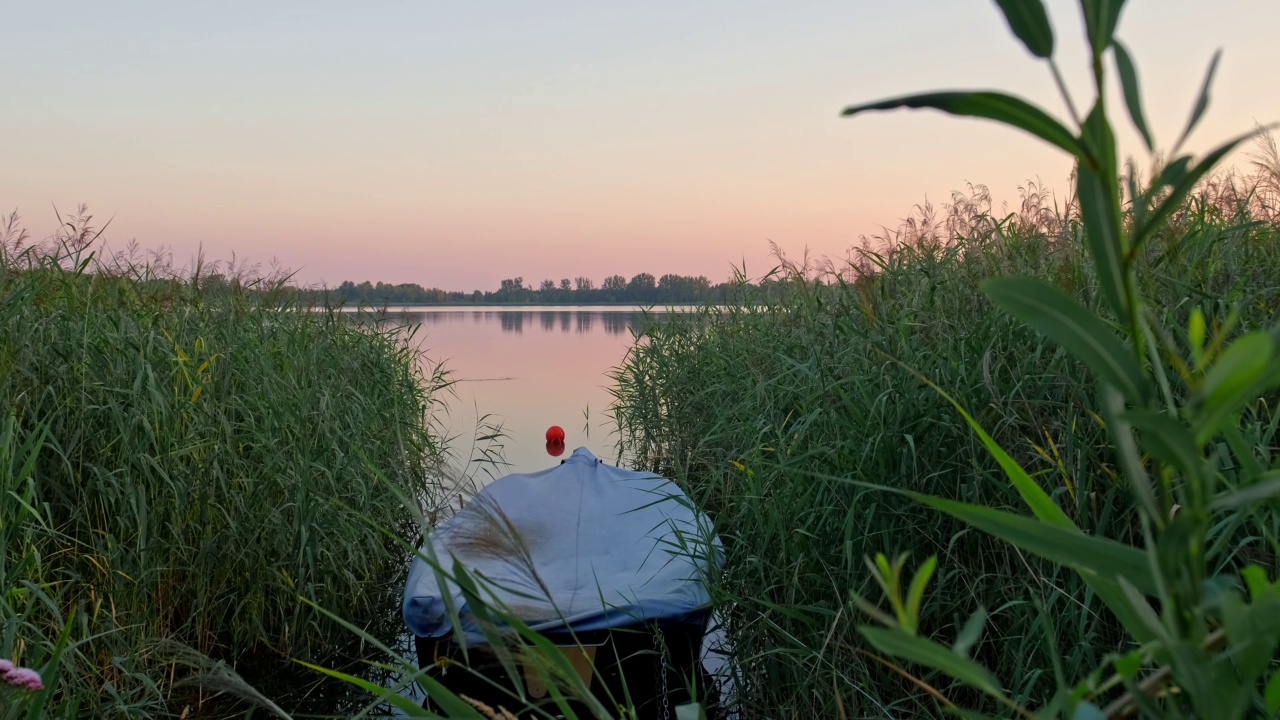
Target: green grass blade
1182, 180
1037, 500
1202, 100
915, 594
1003, 108
1029, 21
1133, 618
1087, 554
454, 706
928, 653
1100, 20
52, 671
1168, 439
1271, 695
1238, 377
1099, 209
1132, 96
971, 632
1055, 314
1264, 488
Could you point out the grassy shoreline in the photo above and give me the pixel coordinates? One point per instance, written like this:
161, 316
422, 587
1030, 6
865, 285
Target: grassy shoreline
187, 460
784, 416
186, 463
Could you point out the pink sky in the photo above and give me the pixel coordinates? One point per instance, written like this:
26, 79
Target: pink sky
454, 145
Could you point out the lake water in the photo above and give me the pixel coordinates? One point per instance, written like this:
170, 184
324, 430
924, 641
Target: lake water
525, 369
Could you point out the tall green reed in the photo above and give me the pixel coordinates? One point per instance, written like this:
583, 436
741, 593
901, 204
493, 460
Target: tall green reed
790, 415
1181, 404
204, 461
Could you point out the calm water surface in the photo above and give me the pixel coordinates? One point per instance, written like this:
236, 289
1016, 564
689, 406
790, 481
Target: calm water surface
525, 369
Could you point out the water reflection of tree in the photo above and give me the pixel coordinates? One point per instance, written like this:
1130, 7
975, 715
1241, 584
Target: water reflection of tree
616, 323
417, 317
512, 322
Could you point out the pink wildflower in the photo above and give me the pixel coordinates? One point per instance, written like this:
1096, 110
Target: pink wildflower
24, 678
5, 668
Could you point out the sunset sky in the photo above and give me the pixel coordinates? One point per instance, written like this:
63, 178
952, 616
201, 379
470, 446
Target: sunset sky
454, 144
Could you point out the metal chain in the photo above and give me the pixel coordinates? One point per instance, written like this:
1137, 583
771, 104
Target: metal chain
663, 671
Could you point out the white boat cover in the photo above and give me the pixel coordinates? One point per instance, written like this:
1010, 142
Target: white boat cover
582, 545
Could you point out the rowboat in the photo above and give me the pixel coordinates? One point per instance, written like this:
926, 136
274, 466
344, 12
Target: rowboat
583, 566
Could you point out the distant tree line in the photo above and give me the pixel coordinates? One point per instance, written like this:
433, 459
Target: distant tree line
641, 289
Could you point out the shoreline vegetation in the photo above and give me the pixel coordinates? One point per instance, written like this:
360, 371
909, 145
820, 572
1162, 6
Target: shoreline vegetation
1052, 494
1096, 537
640, 289
762, 410
144, 485
799, 422
189, 471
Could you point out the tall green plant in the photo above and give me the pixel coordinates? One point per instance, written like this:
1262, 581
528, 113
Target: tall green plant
190, 454
1174, 401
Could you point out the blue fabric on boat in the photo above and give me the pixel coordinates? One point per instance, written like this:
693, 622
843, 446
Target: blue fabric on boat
581, 546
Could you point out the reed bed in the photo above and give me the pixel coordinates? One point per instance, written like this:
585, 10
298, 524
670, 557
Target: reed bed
771, 411
192, 460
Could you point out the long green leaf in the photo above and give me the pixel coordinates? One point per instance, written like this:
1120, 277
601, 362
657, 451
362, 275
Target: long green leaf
1183, 180
971, 632
1047, 511
1263, 488
1029, 21
51, 673
454, 706
1121, 604
930, 654
1234, 380
1167, 439
1101, 230
1037, 500
991, 105
1271, 696
1132, 96
915, 594
1097, 188
1057, 315
1087, 554
1173, 173
1253, 631
1099, 143
1202, 100
1126, 450
1100, 20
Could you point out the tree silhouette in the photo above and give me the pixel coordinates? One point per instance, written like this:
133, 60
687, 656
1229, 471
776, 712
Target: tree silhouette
641, 289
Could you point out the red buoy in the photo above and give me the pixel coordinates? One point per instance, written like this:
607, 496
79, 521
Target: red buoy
555, 433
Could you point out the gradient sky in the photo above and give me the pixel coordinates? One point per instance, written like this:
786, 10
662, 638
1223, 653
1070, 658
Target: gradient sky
457, 143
